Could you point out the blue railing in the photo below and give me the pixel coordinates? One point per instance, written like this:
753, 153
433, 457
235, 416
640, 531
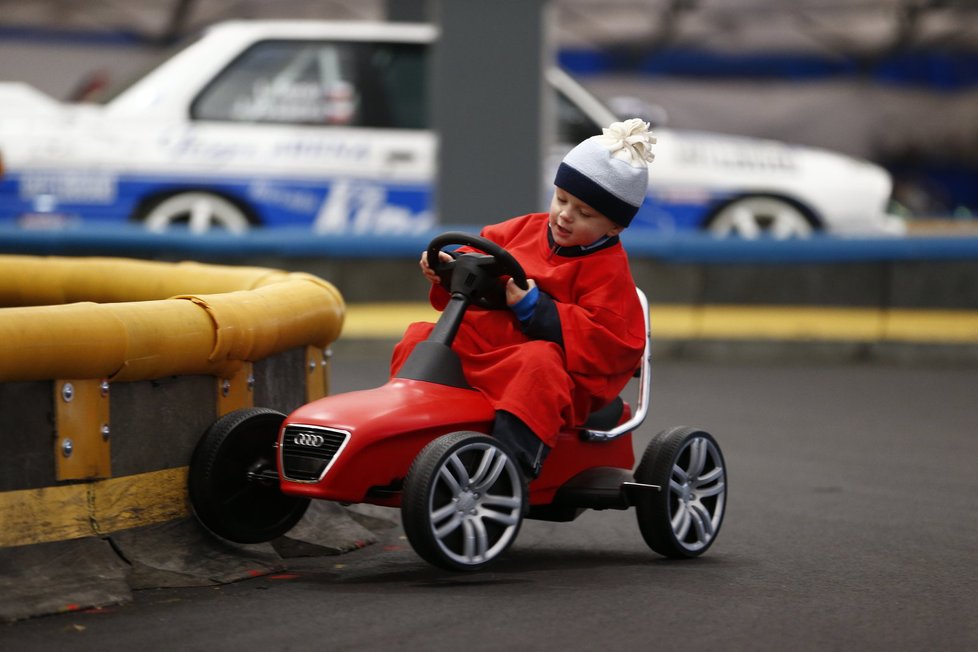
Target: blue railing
285, 243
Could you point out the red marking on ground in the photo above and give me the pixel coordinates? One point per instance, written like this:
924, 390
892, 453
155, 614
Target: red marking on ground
256, 573
283, 576
393, 548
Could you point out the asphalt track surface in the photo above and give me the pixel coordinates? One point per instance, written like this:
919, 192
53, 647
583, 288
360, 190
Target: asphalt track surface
852, 523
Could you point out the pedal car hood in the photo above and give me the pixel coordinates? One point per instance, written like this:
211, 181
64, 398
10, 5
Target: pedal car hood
376, 435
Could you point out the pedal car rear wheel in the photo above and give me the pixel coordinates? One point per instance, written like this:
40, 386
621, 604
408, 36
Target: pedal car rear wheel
233, 484
463, 501
683, 519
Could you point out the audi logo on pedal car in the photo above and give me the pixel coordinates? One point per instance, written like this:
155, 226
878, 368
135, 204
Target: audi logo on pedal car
309, 439
308, 451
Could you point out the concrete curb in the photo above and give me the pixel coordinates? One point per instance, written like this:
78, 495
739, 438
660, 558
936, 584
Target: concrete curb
95, 572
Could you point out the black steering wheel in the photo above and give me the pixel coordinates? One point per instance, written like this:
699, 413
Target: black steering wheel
498, 262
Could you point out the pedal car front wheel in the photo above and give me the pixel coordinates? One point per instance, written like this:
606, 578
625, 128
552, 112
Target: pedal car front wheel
233, 484
684, 517
463, 501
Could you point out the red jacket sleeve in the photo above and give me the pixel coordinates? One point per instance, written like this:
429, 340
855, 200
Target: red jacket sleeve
604, 330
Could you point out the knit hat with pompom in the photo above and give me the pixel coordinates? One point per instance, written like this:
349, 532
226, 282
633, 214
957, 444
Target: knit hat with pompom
610, 172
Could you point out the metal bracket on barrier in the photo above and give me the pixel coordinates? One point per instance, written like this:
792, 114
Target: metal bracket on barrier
81, 411
317, 372
236, 392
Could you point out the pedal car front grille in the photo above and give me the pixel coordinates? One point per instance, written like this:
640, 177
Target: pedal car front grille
309, 451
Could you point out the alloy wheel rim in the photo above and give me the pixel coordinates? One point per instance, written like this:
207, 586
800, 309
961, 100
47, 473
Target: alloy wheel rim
475, 504
756, 216
201, 211
697, 494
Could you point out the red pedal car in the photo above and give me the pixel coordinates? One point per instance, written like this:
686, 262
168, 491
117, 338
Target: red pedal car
420, 443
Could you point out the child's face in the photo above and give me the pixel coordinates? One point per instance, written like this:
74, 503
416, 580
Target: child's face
574, 223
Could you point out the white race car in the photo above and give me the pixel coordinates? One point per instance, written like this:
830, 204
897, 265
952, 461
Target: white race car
325, 125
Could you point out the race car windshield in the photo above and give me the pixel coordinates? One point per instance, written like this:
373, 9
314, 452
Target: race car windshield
355, 84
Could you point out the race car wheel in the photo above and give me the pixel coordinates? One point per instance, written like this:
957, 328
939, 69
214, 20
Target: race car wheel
463, 501
233, 483
684, 517
752, 217
199, 211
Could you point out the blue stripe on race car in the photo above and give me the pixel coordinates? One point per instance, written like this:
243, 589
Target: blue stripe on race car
39, 201
344, 203
341, 205
658, 214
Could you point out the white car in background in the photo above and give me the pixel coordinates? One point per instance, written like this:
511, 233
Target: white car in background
325, 126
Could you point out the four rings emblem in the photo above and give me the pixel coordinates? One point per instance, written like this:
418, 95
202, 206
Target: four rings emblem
309, 439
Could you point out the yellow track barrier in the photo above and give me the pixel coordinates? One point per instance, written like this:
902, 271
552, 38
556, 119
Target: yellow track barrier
72, 511
86, 323
720, 322
138, 320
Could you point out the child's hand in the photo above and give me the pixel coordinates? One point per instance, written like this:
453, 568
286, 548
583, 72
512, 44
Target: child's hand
514, 293
427, 271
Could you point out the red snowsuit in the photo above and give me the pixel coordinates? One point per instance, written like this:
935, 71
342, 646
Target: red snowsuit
549, 384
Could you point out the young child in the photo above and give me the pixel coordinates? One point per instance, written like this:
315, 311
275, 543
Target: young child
569, 344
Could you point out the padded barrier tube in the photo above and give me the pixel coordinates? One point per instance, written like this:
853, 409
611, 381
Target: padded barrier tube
75, 341
252, 325
52, 280
167, 338
244, 314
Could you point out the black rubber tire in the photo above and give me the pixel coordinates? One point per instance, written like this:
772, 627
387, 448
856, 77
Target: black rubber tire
697, 500
489, 507
224, 498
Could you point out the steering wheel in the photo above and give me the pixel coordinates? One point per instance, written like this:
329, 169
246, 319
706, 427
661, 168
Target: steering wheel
501, 263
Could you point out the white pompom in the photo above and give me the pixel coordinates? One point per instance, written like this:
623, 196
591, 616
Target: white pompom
630, 141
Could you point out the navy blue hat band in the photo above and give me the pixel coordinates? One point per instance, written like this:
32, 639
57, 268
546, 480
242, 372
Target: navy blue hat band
618, 211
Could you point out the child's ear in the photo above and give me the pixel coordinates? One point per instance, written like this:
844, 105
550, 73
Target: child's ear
616, 230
